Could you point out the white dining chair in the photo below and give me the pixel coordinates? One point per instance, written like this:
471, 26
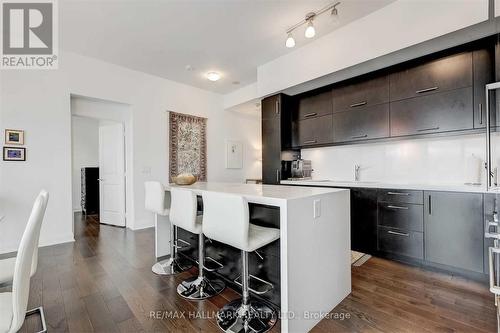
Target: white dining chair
13, 305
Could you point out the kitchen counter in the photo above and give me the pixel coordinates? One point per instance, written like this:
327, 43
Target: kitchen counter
314, 246
399, 186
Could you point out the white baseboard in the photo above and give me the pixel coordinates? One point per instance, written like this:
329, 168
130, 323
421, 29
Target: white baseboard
60, 240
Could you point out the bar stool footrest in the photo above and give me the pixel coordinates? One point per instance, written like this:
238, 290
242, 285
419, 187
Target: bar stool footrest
256, 284
212, 265
184, 244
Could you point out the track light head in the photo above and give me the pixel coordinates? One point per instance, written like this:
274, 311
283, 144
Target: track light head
290, 42
310, 31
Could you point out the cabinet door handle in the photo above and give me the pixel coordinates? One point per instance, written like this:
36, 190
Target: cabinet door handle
358, 104
421, 91
398, 193
480, 113
312, 114
278, 176
428, 129
308, 142
430, 205
397, 207
359, 136
277, 107
398, 233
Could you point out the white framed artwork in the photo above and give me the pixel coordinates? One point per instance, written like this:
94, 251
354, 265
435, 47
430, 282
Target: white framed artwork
234, 154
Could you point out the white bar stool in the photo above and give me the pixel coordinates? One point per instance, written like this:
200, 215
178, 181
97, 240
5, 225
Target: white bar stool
226, 219
157, 201
183, 212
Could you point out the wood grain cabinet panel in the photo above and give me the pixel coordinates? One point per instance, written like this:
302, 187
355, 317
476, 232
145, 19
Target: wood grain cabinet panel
271, 139
449, 111
314, 131
364, 220
444, 74
314, 106
401, 216
483, 74
453, 227
361, 94
362, 124
405, 243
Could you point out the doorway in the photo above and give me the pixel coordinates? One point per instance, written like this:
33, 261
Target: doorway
99, 160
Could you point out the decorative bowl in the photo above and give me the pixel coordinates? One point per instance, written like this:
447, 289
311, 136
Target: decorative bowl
185, 179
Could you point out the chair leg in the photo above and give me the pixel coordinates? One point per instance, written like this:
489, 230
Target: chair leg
200, 287
246, 314
42, 317
172, 265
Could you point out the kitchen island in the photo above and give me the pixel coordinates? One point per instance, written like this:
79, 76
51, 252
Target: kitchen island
314, 249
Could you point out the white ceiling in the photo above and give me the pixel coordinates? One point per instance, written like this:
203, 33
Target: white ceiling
158, 37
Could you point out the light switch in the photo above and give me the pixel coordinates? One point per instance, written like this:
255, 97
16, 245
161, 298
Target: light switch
317, 208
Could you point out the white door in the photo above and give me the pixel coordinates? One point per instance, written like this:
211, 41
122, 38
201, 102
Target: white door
112, 174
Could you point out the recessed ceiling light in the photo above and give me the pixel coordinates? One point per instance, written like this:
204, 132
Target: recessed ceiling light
235, 82
213, 76
188, 68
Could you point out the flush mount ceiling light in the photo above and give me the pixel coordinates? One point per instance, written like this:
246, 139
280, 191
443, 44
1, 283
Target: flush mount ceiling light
310, 31
213, 76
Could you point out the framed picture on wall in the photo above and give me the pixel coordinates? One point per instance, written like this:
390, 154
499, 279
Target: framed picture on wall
234, 154
14, 154
14, 137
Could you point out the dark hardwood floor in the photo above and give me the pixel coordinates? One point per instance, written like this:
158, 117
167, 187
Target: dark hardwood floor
103, 283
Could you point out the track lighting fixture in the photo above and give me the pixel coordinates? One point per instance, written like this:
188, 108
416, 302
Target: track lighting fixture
310, 31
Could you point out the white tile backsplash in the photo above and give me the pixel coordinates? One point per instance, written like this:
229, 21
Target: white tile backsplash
444, 160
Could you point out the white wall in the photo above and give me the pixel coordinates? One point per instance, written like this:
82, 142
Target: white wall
85, 151
39, 102
449, 160
394, 27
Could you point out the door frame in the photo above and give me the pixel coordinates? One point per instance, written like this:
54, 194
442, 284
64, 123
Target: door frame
118, 112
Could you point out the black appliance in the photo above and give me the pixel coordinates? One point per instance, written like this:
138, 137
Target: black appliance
90, 190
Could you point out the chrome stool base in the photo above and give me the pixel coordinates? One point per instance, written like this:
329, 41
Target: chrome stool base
257, 317
170, 267
197, 288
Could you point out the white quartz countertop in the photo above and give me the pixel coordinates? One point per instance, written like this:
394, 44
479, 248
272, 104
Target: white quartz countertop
399, 186
259, 193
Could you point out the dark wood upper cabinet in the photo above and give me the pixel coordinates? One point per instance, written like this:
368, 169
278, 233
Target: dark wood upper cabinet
313, 131
444, 74
483, 62
363, 124
453, 228
361, 94
276, 135
314, 106
449, 111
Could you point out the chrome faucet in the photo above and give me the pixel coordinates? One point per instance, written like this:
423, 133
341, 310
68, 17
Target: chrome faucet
357, 168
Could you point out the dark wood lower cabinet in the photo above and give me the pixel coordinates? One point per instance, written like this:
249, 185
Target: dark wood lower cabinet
444, 230
364, 220
405, 243
453, 227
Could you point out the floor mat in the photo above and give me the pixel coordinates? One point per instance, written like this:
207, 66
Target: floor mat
359, 258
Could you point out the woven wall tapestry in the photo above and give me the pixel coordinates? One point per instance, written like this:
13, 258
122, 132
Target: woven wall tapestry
188, 145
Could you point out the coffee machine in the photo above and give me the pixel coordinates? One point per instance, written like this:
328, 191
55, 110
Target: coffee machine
297, 169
